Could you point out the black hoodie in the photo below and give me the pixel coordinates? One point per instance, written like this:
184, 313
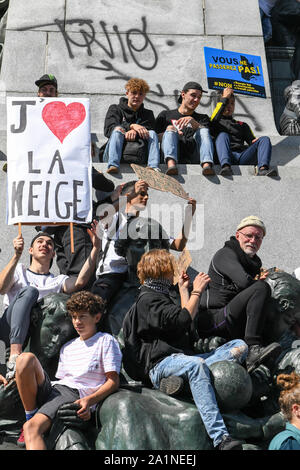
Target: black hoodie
121, 115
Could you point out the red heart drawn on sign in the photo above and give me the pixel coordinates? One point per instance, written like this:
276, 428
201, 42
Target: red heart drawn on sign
62, 119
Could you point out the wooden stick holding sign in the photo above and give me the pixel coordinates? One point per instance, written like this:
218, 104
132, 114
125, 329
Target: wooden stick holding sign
71, 231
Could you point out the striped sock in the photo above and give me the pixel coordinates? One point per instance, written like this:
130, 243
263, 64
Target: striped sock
30, 414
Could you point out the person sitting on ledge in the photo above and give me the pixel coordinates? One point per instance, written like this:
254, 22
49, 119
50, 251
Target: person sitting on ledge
128, 121
289, 402
88, 371
166, 350
233, 304
185, 134
231, 135
22, 287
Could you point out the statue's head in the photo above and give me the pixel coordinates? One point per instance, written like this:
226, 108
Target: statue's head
140, 236
292, 97
283, 309
51, 326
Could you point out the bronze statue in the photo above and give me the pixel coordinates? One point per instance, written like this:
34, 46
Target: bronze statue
132, 417
290, 118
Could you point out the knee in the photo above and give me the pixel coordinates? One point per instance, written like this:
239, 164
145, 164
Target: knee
30, 427
239, 350
24, 362
197, 365
119, 130
203, 131
263, 287
171, 129
223, 136
265, 140
153, 135
31, 292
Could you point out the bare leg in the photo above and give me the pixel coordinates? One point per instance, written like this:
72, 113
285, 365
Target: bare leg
29, 375
34, 429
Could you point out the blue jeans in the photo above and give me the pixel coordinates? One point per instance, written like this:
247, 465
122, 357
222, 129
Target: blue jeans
113, 150
259, 153
204, 146
196, 370
15, 320
266, 25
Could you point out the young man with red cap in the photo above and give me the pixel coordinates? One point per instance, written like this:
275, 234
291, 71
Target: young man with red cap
185, 134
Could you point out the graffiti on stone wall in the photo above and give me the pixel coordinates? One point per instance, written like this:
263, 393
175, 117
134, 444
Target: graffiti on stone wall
136, 46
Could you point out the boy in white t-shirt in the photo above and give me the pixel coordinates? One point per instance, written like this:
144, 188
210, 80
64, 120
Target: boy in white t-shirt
22, 287
88, 371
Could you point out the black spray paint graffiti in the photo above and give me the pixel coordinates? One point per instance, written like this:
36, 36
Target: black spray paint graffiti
135, 45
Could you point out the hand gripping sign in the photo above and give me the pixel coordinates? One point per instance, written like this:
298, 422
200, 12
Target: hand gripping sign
49, 163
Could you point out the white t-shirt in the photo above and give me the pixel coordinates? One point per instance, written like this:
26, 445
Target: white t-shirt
112, 263
45, 283
83, 364
266, 6
296, 274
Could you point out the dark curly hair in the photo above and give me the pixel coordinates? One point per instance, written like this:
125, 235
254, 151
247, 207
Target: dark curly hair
86, 301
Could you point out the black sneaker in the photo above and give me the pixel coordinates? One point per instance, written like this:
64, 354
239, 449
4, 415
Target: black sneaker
228, 443
259, 355
226, 171
266, 172
172, 385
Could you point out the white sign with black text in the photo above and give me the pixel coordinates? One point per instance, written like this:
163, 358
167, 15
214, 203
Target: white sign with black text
48, 160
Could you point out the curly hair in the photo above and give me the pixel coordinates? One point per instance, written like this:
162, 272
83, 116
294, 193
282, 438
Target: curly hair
86, 301
155, 264
290, 394
137, 84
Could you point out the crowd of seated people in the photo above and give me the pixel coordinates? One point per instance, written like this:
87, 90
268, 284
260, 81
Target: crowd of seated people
182, 135
229, 299
233, 310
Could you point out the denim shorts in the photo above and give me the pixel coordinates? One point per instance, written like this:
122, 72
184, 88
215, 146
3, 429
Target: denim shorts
51, 397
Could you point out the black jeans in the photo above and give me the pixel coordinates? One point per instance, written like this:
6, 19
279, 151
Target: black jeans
71, 263
243, 317
107, 285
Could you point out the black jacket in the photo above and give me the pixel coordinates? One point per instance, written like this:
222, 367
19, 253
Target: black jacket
239, 131
121, 115
164, 325
187, 144
230, 272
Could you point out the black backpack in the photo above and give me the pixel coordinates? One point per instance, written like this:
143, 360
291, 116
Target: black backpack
135, 151
136, 351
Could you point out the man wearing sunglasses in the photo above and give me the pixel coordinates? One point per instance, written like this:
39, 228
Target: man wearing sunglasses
233, 304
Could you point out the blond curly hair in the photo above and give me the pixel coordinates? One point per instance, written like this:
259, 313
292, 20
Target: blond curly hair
135, 84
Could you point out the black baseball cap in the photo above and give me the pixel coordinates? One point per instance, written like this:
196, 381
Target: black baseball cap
46, 79
191, 86
42, 234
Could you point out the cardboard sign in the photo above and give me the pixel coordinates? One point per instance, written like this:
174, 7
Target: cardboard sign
49, 162
183, 262
160, 181
241, 72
